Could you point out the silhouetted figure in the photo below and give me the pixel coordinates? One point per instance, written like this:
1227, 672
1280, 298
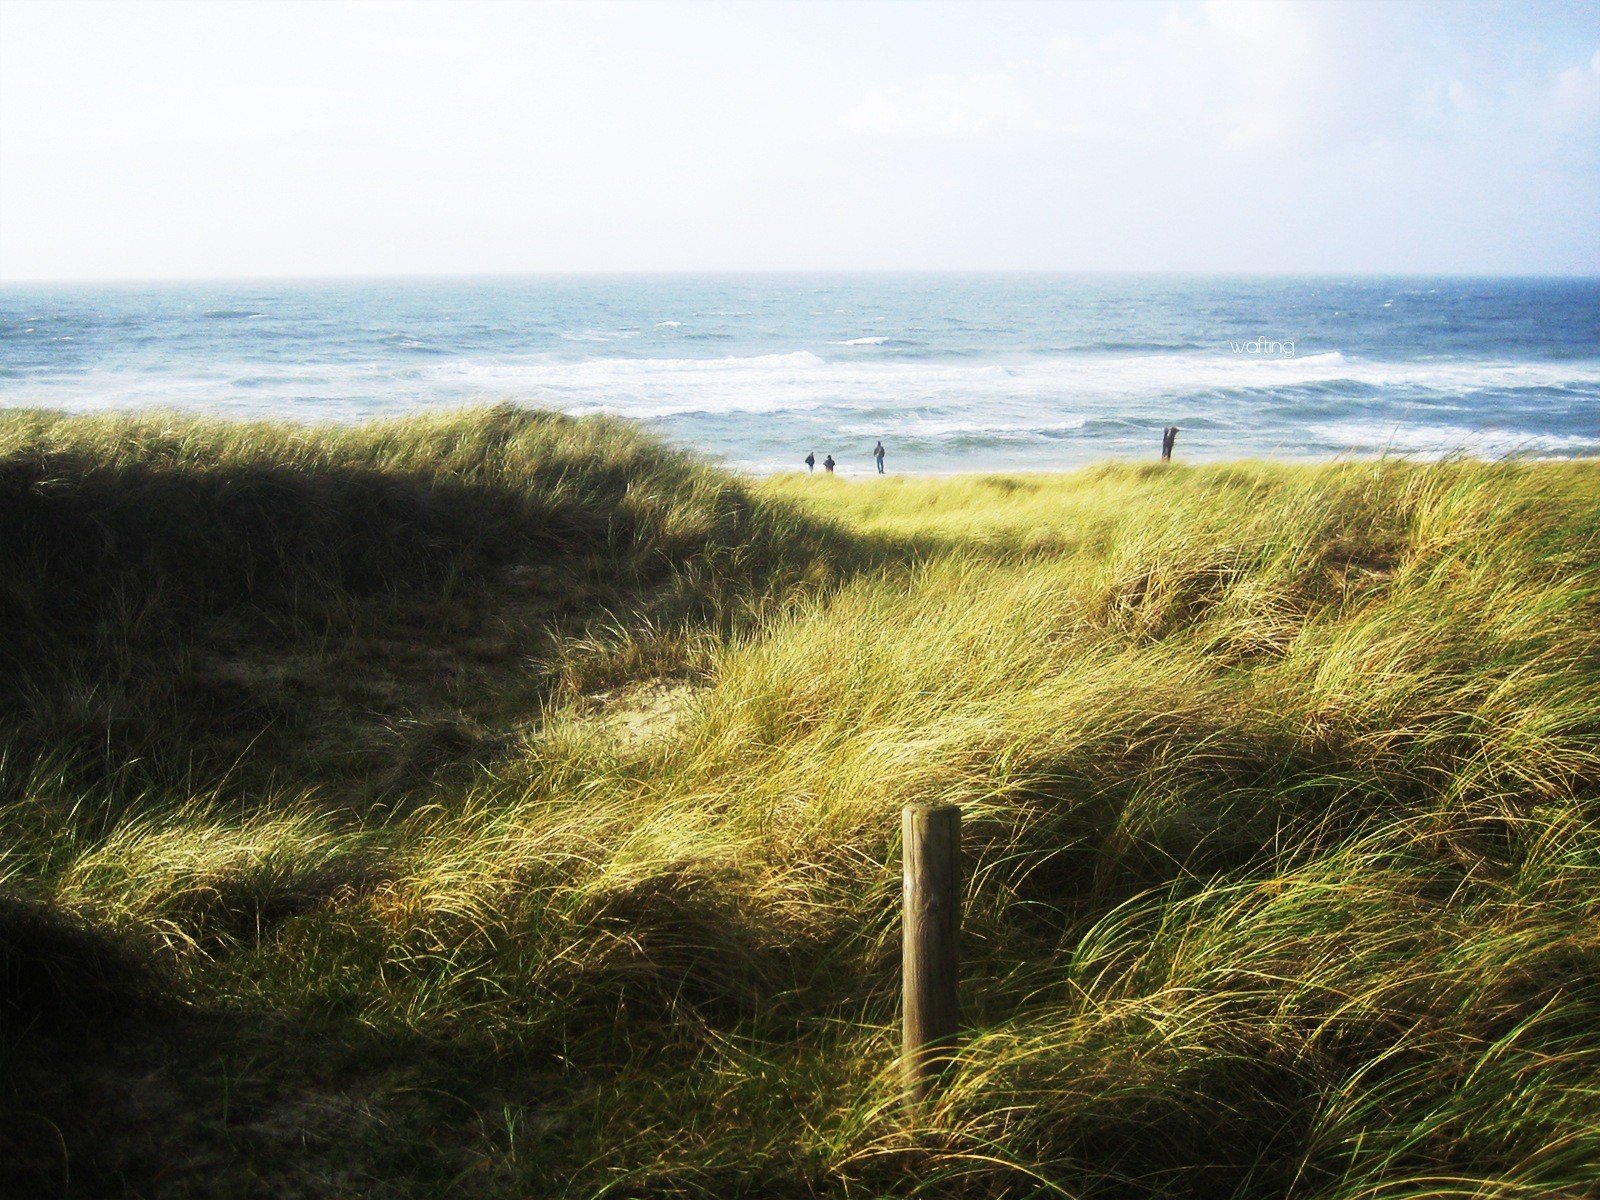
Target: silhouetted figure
811, 461
1169, 437
827, 464
877, 453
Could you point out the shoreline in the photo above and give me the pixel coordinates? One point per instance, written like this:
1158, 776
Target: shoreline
1124, 463
650, 428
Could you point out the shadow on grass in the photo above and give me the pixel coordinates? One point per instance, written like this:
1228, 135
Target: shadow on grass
360, 616
112, 1086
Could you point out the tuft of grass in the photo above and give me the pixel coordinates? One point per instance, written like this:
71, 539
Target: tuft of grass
1281, 790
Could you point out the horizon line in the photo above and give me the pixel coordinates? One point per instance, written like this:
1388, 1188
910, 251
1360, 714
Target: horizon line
709, 272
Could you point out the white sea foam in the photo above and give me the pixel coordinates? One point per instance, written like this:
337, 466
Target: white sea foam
1435, 441
1025, 393
1058, 408
654, 387
973, 425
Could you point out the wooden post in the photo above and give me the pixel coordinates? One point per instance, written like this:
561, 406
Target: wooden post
931, 931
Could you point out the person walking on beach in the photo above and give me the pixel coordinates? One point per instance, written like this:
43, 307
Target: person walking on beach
827, 464
811, 461
877, 453
1169, 437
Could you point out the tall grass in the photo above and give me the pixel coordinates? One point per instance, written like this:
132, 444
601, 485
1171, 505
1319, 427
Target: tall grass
192, 603
1280, 790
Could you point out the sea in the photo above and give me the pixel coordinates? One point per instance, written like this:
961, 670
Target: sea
952, 372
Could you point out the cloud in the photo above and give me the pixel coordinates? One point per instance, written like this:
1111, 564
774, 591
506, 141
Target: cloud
1250, 78
1575, 96
1242, 73
947, 106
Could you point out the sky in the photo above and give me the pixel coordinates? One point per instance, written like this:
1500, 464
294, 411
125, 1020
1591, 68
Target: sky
147, 139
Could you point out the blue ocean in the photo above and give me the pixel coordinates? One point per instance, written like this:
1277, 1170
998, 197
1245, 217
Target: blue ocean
953, 372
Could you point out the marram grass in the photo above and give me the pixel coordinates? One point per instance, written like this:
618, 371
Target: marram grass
501, 805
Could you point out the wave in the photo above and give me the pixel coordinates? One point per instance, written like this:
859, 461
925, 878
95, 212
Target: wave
1149, 347
411, 344
905, 383
1083, 405
1441, 441
598, 335
1106, 376
230, 314
970, 426
888, 343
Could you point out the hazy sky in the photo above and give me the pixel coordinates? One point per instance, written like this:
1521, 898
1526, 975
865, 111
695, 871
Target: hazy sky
278, 138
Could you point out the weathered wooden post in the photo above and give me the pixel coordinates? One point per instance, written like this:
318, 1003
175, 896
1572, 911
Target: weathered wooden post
930, 941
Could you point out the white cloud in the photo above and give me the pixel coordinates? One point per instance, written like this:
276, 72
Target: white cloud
1241, 73
1576, 94
1245, 77
947, 106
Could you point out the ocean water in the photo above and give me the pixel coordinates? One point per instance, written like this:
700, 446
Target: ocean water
952, 371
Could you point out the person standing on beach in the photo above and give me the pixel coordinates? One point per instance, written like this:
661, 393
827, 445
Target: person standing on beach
877, 453
811, 461
827, 464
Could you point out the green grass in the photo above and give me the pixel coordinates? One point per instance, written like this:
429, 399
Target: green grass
502, 805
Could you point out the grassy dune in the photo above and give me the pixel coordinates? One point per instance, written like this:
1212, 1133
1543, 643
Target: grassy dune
502, 805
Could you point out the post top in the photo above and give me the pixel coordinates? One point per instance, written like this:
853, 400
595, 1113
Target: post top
931, 806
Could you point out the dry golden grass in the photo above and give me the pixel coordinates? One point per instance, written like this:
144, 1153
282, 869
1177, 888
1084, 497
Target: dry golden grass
1280, 793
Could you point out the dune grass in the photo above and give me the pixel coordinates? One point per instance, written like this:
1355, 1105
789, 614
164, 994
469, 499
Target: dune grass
1279, 783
